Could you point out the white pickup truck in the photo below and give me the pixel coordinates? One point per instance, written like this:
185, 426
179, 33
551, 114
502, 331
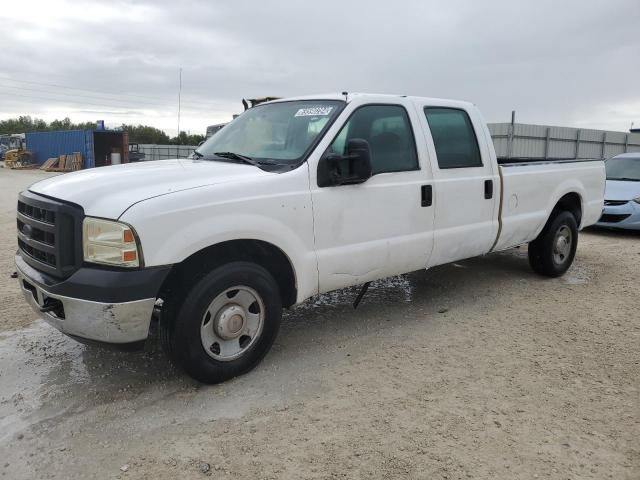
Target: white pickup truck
294, 198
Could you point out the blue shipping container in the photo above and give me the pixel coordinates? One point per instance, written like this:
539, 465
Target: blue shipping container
44, 145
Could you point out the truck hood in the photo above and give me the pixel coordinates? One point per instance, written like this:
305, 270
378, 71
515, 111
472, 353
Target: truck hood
621, 190
108, 191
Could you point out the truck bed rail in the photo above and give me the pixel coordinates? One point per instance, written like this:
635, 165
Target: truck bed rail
522, 161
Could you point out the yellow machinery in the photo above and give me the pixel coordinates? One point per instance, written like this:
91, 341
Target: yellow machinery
17, 156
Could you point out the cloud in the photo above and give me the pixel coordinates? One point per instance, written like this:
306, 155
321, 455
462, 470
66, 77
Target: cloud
563, 63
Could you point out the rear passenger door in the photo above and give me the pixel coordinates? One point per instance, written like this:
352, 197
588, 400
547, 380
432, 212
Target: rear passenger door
383, 226
466, 187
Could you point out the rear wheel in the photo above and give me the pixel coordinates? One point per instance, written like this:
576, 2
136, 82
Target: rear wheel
552, 252
225, 324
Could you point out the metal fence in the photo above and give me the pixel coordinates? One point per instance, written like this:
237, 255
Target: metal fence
163, 152
541, 141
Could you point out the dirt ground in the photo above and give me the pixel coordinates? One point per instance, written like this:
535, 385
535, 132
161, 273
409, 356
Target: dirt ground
13, 313
473, 370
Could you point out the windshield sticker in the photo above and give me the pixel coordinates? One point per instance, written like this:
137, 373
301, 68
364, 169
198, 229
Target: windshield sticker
313, 111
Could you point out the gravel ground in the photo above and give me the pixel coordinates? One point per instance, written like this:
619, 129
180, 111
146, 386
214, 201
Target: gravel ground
479, 369
13, 311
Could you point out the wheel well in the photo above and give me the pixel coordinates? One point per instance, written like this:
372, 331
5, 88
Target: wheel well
570, 202
262, 253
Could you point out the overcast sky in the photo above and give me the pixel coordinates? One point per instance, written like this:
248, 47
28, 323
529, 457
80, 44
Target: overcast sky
570, 63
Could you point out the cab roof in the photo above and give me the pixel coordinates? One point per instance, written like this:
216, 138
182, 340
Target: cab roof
372, 98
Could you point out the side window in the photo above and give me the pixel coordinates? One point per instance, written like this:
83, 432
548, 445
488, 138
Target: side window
454, 137
388, 130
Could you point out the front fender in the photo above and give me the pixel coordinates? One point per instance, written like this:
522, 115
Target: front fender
174, 227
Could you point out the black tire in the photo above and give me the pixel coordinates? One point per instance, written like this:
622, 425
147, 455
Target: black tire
545, 253
184, 313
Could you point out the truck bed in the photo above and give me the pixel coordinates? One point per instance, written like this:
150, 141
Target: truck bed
531, 188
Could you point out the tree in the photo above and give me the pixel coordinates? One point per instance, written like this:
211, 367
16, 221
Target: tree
22, 124
137, 133
184, 138
145, 134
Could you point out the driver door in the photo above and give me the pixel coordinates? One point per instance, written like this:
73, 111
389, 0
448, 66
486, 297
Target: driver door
384, 226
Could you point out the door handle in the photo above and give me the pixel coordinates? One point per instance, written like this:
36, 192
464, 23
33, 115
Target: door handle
488, 189
426, 192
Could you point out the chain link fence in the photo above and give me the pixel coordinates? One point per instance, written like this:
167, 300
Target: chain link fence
163, 152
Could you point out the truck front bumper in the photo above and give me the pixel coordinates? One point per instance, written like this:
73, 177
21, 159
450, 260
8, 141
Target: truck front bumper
95, 304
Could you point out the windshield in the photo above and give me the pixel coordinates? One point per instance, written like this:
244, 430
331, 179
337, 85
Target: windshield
623, 168
273, 133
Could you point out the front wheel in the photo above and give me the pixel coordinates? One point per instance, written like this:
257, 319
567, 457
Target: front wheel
225, 324
552, 252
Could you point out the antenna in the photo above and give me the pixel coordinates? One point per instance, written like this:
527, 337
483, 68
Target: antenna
346, 96
179, 95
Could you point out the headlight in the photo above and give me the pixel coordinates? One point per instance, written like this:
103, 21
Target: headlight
109, 243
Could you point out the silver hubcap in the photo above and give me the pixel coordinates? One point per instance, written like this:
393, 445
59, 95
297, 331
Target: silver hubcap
562, 245
232, 323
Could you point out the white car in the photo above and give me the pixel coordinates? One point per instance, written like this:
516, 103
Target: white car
622, 193
294, 198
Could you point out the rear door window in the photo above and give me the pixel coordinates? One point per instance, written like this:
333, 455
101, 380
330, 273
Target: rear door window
454, 138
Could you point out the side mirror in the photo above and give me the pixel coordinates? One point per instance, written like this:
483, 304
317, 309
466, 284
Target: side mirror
349, 169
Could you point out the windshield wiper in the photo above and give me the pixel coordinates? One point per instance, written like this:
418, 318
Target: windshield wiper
237, 156
625, 179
